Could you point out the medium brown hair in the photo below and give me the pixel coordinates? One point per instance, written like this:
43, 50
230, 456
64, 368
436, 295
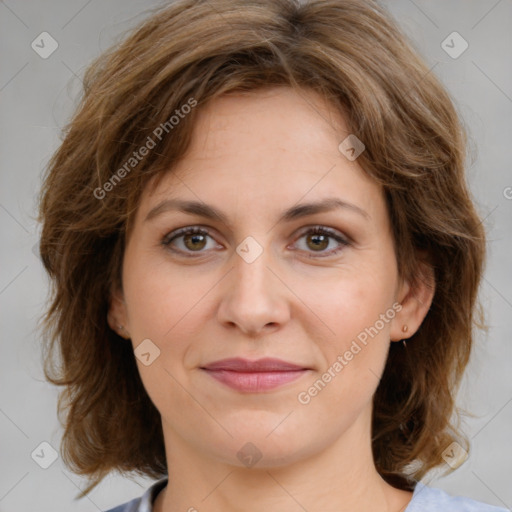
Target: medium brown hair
353, 54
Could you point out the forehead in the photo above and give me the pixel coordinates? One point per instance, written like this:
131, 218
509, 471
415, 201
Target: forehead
266, 150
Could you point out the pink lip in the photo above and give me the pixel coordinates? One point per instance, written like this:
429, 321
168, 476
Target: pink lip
254, 376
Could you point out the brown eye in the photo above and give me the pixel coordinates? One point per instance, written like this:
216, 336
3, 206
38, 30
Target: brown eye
317, 242
319, 238
187, 240
194, 241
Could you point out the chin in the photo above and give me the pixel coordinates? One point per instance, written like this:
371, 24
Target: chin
258, 449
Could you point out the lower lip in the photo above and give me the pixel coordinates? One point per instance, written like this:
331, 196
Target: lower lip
254, 382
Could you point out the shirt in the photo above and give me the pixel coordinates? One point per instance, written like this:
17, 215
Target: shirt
424, 499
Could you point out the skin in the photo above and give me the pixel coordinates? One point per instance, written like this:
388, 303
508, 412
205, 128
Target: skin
253, 156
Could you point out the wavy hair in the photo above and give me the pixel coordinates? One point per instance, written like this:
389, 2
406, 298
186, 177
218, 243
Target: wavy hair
353, 54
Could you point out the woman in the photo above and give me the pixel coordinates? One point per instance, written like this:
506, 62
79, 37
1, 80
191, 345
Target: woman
266, 262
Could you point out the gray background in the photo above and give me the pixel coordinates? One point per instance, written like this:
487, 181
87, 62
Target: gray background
37, 96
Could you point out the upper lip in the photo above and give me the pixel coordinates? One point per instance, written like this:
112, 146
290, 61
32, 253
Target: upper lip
267, 364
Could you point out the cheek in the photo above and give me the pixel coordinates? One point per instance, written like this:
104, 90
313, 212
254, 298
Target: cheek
162, 307
354, 356
159, 299
353, 335
349, 303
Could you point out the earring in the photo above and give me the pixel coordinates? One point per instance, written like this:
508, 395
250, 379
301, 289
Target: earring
120, 329
404, 329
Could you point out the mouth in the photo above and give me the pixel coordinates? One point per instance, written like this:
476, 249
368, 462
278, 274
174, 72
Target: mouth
254, 376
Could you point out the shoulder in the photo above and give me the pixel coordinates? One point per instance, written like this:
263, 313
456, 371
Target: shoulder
145, 502
129, 506
427, 499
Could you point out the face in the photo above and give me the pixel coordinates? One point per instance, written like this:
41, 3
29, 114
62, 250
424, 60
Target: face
317, 288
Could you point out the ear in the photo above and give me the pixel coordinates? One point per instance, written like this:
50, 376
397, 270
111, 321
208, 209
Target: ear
117, 316
416, 298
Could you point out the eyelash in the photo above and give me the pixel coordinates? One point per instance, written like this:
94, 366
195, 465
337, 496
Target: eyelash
315, 230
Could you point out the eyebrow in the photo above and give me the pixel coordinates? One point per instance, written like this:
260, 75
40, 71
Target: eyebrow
293, 213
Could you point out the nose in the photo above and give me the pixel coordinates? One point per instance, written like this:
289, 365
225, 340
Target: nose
254, 299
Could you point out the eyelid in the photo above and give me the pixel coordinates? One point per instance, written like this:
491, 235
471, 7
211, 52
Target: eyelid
332, 233
186, 230
335, 233
339, 237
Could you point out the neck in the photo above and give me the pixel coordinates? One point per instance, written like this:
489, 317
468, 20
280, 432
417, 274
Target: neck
342, 478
